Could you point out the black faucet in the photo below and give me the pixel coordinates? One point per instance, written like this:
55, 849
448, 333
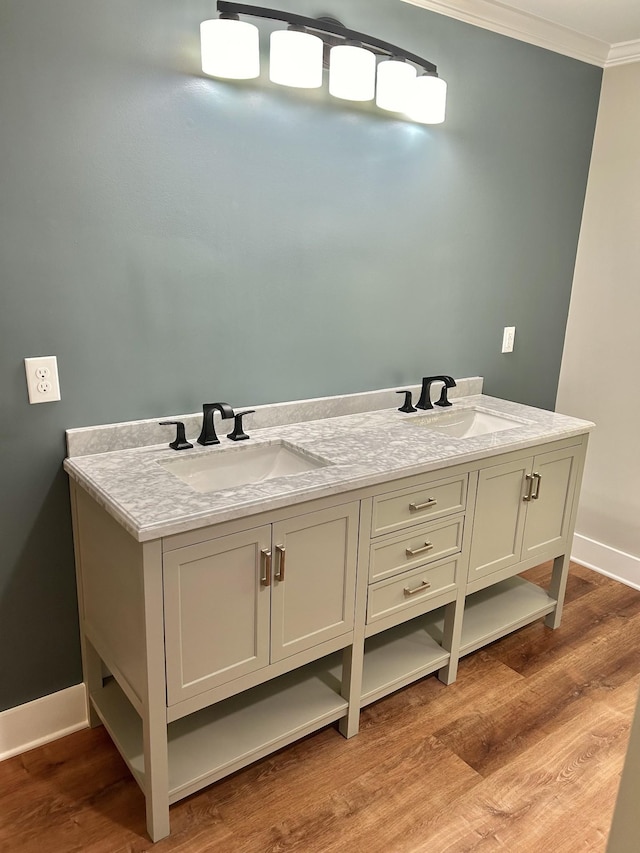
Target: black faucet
208, 433
425, 397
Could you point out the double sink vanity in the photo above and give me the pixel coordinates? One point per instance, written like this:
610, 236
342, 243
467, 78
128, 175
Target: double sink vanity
236, 598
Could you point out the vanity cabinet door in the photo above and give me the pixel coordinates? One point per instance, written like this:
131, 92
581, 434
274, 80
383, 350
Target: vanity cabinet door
314, 569
523, 511
549, 510
499, 520
216, 612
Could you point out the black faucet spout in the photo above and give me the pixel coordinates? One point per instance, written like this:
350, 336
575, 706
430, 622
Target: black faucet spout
425, 397
208, 433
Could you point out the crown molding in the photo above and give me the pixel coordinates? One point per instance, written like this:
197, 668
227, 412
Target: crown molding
623, 53
525, 27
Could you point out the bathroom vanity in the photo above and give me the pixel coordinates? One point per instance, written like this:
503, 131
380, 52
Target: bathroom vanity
218, 626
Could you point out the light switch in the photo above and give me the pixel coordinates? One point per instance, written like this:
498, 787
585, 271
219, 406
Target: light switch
508, 338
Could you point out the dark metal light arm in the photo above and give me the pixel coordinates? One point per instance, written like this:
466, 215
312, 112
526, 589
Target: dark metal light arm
322, 25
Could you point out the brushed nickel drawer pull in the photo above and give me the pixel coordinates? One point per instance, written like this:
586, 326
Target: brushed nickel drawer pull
529, 478
417, 507
281, 554
424, 585
536, 494
413, 552
265, 579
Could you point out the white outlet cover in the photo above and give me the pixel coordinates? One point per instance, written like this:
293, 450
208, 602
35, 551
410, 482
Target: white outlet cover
43, 383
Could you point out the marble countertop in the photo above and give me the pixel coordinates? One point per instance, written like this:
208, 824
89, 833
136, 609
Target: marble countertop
137, 487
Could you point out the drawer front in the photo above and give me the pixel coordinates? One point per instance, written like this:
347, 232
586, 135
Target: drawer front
396, 510
410, 589
413, 548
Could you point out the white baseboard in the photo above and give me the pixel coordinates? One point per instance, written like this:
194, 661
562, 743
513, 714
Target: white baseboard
42, 720
606, 560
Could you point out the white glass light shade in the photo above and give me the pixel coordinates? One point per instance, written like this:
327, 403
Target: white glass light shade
394, 88
295, 59
352, 73
230, 49
428, 100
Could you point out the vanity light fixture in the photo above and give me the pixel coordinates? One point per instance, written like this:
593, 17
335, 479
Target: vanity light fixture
395, 81
428, 99
230, 48
403, 82
352, 72
295, 58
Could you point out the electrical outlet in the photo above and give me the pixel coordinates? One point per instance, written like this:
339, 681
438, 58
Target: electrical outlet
43, 383
508, 338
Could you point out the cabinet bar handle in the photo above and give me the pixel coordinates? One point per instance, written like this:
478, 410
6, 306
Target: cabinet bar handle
412, 552
536, 494
265, 578
424, 585
417, 507
281, 553
529, 478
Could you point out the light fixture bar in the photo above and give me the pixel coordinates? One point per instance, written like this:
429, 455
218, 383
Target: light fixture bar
322, 25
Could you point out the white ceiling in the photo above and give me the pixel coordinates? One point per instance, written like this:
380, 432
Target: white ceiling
612, 21
601, 32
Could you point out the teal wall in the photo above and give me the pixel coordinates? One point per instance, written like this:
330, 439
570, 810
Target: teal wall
173, 238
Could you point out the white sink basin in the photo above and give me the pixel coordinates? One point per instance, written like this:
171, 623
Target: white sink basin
465, 423
225, 468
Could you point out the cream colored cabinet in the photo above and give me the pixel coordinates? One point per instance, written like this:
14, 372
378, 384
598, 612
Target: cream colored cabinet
412, 539
217, 612
522, 510
209, 649
313, 579
237, 603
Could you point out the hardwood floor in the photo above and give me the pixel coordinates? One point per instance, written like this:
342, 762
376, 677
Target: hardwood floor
522, 754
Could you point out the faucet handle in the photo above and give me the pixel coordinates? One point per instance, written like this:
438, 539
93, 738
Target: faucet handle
180, 442
449, 382
407, 406
238, 433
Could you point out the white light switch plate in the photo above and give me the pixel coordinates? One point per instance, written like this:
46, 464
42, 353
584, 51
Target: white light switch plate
508, 338
43, 383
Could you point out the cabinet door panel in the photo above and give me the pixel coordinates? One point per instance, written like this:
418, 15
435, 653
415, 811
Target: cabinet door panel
216, 612
499, 518
549, 515
315, 600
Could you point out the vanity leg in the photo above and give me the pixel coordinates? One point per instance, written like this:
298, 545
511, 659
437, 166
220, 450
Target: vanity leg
557, 589
451, 634
154, 717
353, 655
92, 666
352, 661
156, 776
91, 662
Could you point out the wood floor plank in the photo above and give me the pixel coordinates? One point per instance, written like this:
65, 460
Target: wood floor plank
547, 785
347, 816
489, 733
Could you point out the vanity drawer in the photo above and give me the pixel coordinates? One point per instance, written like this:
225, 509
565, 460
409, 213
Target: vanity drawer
412, 548
410, 589
406, 507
